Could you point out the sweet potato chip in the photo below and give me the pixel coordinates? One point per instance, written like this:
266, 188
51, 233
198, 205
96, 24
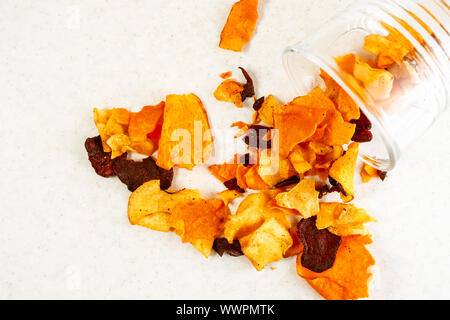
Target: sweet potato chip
146, 122
254, 181
149, 206
230, 91
252, 213
332, 87
349, 276
337, 131
267, 110
273, 170
223, 172
186, 139
266, 244
390, 49
240, 25
304, 198
342, 219
199, 222
343, 169
346, 63
226, 75
368, 173
297, 246
347, 106
295, 125
240, 175
109, 123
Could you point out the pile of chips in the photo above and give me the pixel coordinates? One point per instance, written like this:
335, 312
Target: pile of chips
297, 153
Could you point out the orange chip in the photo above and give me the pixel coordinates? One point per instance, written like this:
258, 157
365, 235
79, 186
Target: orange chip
337, 132
240, 25
298, 121
145, 123
302, 158
297, 246
224, 172
111, 122
186, 138
266, 112
343, 169
253, 180
199, 222
388, 50
273, 170
346, 63
240, 175
226, 75
347, 106
230, 91
349, 276
332, 87
229, 196
377, 82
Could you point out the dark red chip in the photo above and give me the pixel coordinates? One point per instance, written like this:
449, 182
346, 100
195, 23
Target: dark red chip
258, 104
233, 185
288, 182
319, 246
249, 89
362, 131
134, 173
363, 136
382, 175
255, 137
323, 191
100, 160
222, 246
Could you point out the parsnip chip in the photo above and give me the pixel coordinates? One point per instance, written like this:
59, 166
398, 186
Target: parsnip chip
266, 244
186, 138
349, 276
230, 91
109, 123
199, 222
304, 198
252, 213
240, 25
343, 169
119, 144
342, 219
149, 206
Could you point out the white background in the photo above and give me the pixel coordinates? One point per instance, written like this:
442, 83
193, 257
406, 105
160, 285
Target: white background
64, 231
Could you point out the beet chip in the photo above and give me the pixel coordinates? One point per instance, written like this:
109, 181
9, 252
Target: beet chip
134, 174
258, 104
233, 185
288, 182
249, 89
100, 160
222, 246
320, 246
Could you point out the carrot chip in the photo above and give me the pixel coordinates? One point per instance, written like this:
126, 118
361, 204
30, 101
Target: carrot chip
186, 139
240, 25
230, 91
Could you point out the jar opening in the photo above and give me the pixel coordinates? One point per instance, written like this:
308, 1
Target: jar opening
303, 69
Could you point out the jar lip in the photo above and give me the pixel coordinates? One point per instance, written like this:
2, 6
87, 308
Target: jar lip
389, 144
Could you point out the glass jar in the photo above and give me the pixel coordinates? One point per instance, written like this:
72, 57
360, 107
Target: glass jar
409, 108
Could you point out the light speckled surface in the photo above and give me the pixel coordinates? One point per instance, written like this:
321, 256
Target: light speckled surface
64, 231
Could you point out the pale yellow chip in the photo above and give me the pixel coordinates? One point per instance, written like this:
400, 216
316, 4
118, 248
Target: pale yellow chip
343, 219
267, 110
303, 197
150, 207
119, 144
252, 213
378, 82
343, 169
266, 244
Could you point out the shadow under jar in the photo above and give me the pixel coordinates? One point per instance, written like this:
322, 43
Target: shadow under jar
416, 91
